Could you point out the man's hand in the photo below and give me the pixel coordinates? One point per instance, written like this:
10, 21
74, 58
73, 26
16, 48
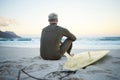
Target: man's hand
71, 55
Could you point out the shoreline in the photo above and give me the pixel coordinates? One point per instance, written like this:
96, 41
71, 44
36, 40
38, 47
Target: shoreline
28, 58
16, 53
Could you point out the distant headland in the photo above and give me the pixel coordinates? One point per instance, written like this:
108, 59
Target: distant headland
8, 34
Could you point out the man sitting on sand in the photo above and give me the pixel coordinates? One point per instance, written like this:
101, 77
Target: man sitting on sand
51, 47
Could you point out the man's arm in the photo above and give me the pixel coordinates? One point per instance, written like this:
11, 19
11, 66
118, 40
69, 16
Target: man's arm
68, 34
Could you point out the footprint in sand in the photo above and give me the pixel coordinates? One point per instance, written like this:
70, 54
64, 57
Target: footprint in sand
116, 62
36, 67
111, 77
117, 57
96, 71
58, 75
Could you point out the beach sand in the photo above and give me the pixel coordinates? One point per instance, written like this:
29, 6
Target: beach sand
14, 61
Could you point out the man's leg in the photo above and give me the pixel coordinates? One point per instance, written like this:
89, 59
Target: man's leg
66, 46
69, 49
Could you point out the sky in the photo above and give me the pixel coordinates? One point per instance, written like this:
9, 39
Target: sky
80, 17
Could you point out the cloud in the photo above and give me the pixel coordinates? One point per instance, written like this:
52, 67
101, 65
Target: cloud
6, 21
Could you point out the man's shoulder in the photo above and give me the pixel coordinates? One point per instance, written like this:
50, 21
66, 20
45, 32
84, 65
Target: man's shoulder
61, 28
57, 27
45, 27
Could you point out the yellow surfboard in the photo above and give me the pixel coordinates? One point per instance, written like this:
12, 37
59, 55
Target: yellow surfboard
83, 59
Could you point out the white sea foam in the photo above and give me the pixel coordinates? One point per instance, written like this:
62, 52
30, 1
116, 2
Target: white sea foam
80, 43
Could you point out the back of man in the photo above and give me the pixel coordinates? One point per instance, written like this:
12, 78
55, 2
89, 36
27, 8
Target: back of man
51, 41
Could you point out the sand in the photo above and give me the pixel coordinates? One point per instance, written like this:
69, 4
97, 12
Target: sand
14, 61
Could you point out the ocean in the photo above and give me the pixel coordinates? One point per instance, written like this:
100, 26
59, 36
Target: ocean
81, 42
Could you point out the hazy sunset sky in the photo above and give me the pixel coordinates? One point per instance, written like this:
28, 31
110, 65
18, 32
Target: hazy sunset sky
81, 17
